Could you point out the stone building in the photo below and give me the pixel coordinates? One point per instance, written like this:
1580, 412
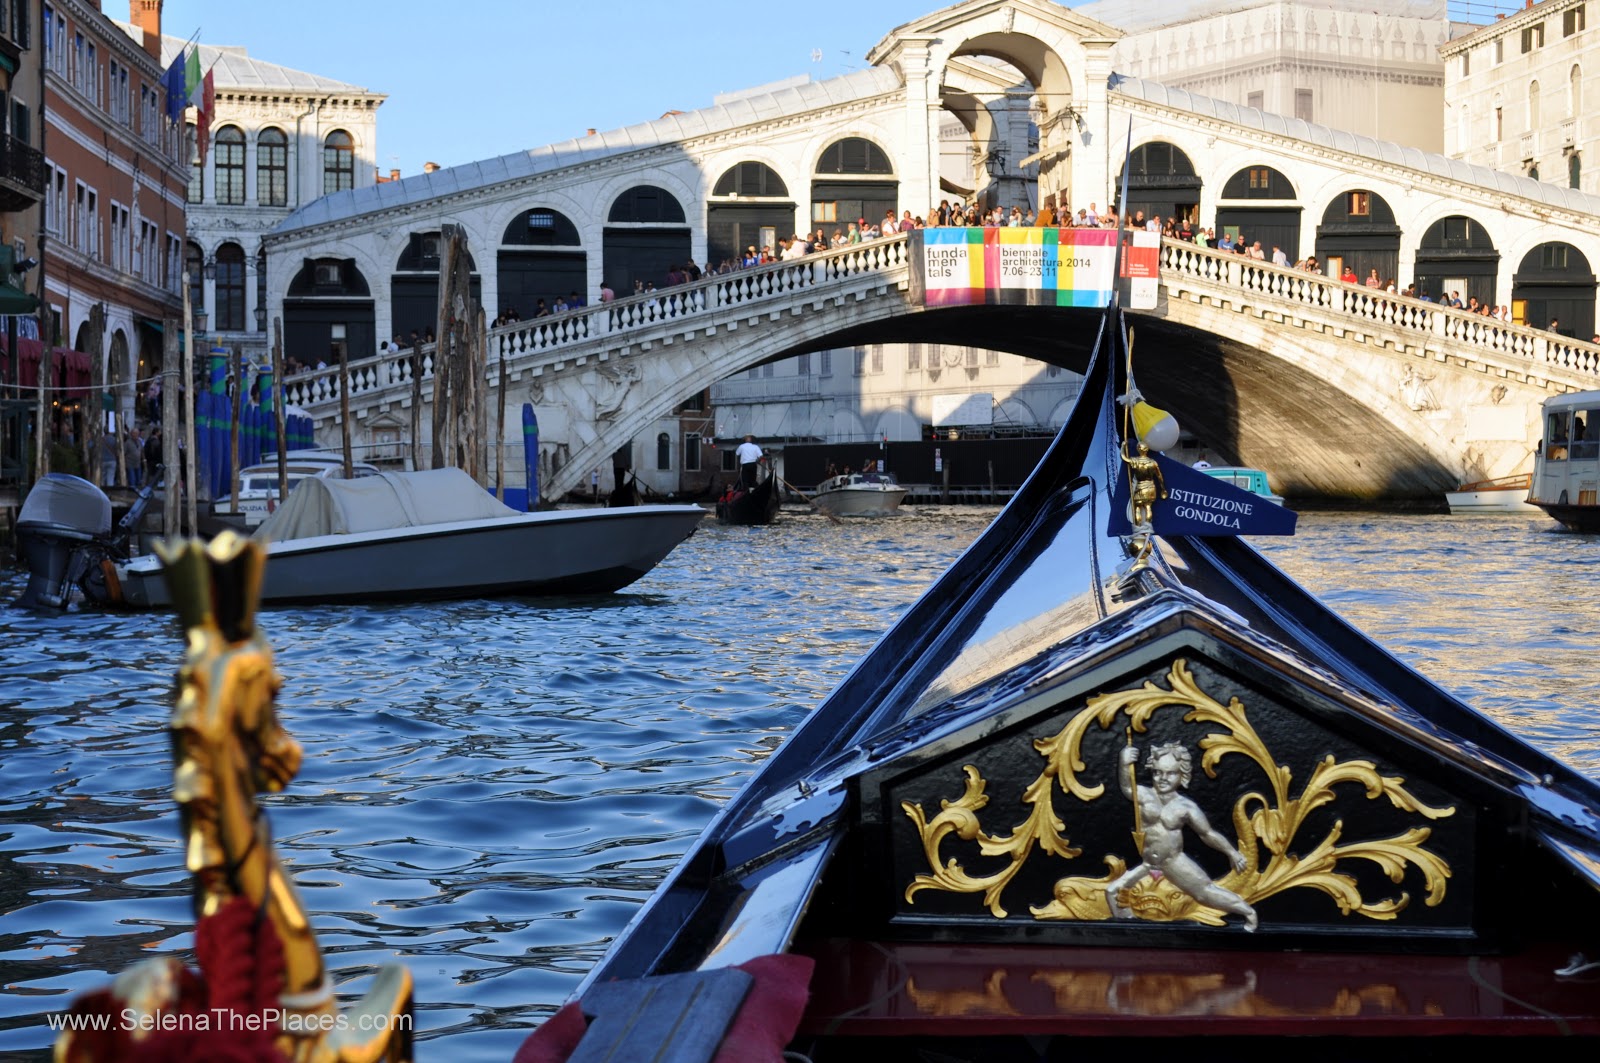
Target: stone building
1516, 94
1370, 69
280, 138
22, 186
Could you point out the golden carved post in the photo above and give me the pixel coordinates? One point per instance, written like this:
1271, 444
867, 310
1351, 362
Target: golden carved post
227, 747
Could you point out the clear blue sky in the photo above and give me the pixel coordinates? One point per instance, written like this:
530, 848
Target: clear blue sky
471, 79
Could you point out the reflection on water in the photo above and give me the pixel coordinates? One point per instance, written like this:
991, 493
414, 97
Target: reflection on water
490, 789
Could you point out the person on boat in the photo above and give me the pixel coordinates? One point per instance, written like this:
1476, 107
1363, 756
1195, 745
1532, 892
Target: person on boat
749, 455
1201, 462
1163, 813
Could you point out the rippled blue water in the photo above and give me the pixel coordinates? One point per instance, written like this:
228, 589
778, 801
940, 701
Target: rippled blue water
492, 788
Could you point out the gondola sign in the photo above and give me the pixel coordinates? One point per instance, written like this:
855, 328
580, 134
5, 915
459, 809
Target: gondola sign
1192, 503
1020, 266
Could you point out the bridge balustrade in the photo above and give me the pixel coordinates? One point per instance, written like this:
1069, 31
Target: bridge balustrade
1230, 270
705, 301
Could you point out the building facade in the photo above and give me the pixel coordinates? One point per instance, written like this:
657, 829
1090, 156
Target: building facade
115, 178
1516, 94
22, 185
279, 139
1371, 69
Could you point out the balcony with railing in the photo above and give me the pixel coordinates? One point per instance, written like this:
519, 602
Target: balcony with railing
21, 174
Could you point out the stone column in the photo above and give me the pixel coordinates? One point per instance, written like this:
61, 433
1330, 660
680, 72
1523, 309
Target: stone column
919, 176
1097, 156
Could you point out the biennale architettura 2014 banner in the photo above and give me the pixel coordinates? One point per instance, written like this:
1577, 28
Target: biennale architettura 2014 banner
1024, 266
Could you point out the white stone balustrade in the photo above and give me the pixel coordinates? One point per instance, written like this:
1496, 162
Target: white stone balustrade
532, 343
1499, 343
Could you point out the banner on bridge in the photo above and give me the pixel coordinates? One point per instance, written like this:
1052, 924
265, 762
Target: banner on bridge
1024, 266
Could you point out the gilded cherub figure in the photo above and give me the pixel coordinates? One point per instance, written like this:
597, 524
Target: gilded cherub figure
1162, 814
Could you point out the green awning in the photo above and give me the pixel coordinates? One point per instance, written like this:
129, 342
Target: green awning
14, 301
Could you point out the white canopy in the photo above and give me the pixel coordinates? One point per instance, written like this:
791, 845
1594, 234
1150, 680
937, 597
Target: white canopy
327, 506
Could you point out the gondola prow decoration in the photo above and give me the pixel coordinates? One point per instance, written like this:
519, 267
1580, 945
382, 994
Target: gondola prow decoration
1152, 429
262, 985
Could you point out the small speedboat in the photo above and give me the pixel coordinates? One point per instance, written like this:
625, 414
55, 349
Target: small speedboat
1504, 494
1252, 480
859, 494
1566, 467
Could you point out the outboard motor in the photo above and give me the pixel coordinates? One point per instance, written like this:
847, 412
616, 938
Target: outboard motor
63, 519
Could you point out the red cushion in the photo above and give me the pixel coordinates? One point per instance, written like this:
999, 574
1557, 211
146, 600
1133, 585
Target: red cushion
766, 1020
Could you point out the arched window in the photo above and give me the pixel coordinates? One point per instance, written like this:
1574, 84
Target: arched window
1575, 93
1533, 106
854, 155
229, 315
1499, 122
227, 149
663, 451
197, 172
194, 263
750, 179
272, 168
338, 162
1574, 170
646, 203
1463, 128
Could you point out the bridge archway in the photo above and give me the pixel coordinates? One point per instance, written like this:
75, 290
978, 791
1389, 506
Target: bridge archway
854, 178
1359, 230
328, 291
1555, 283
1457, 254
749, 196
1162, 182
536, 260
414, 285
1259, 203
646, 234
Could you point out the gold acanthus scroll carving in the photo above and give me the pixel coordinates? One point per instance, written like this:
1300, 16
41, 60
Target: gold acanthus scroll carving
1267, 823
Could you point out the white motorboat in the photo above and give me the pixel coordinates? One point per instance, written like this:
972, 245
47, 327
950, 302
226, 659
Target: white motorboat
859, 494
1504, 494
415, 536
1566, 467
258, 484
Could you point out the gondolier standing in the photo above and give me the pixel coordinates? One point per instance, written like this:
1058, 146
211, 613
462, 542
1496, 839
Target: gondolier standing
749, 455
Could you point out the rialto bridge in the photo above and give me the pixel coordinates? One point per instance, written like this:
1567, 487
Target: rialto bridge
1340, 389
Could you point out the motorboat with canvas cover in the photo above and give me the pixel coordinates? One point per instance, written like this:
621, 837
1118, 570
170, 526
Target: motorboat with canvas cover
416, 536
1114, 785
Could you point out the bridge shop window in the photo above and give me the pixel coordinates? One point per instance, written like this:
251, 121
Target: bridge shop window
854, 155
646, 203
1258, 182
228, 153
1360, 205
750, 179
853, 180
338, 162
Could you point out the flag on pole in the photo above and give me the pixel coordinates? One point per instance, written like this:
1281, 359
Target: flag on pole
206, 107
191, 74
177, 90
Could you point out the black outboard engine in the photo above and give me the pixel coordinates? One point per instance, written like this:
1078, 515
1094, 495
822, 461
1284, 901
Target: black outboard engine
63, 519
